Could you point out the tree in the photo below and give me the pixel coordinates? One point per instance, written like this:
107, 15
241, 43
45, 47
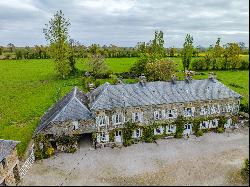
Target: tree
1, 50
11, 47
149, 52
97, 65
187, 51
56, 33
231, 56
160, 70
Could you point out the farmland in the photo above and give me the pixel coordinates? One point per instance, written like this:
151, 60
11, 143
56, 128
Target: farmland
29, 87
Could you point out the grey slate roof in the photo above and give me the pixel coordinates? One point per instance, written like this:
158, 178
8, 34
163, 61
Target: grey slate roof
160, 92
76, 105
6, 146
72, 106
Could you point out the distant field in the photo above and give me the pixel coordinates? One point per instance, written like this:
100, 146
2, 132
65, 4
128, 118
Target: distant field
28, 88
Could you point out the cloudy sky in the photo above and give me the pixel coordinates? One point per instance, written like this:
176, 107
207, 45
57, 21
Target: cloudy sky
126, 22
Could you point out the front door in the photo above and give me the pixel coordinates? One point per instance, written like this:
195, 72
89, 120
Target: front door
187, 129
118, 136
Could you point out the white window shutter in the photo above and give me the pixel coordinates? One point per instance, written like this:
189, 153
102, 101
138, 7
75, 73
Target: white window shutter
133, 117
163, 114
141, 117
113, 119
98, 138
123, 119
107, 137
193, 110
155, 114
97, 120
106, 120
174, 113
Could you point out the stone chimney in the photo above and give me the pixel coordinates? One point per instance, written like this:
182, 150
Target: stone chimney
143, 80
188, 77
211, 76
87, 74
91, 86
173, 79
119, 81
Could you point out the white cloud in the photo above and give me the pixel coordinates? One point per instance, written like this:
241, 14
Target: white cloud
126, 22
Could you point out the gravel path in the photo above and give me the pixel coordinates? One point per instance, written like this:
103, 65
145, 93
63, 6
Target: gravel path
207, 160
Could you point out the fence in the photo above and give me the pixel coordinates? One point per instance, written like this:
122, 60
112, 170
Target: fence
28, 163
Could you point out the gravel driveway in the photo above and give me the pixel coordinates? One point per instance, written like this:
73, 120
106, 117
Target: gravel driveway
207, 160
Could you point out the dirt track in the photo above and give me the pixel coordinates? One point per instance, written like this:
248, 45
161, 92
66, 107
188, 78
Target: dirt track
208, 160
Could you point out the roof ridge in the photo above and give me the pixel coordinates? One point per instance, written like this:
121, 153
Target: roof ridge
101, 93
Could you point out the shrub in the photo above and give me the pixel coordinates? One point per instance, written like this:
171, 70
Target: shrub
244, 107
178, 135
245, 170
220, 130
222, 121
148, 134
50, 151
199, 133
179, 122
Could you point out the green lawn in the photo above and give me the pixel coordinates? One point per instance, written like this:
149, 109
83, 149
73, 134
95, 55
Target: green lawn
29, 87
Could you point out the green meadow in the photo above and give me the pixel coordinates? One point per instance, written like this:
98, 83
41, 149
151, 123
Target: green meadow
29, 87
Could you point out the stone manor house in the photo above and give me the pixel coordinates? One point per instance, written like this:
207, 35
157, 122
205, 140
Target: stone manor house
108, 107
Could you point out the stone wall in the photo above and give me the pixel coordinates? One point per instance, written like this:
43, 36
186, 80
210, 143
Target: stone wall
58, 129
8, 173
148, 112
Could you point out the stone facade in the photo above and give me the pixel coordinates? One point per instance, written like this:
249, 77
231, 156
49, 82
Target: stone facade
108, 107
9, 169
148, 115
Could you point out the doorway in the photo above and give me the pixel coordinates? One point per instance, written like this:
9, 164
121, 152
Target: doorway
85, 140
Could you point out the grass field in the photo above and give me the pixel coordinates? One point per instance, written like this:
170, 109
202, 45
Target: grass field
29, 87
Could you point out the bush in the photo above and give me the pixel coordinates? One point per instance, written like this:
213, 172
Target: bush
178, 135
199, 133
245, 170
220, 130
50, 151
244, 107
148, 134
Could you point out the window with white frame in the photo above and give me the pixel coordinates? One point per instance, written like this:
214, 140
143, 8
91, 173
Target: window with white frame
228, 108
171, 128
212, 109
202, 111
188, 112
214, 122
158, 115
218, 109
117, 119
137, 116
102, 120
171, 113
137, 133
158, 130
75, 125
103, 137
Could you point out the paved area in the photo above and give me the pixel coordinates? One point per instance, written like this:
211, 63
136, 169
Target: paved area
207, 160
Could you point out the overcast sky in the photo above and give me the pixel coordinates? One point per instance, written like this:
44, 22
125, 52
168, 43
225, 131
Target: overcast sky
126, 22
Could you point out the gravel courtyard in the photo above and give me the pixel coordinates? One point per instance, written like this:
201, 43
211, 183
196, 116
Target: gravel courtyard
207, 160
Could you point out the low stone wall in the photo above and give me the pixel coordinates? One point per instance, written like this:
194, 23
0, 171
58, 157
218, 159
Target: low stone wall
8, 174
